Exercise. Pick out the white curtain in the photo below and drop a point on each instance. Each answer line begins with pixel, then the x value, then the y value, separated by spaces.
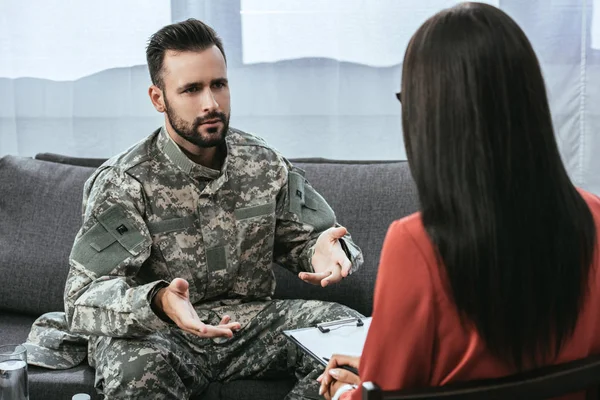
pixel 357 31
pixel 67 40
pixel 596 26
pixel 315 78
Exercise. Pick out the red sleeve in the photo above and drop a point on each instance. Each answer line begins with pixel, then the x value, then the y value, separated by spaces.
pixel 399 346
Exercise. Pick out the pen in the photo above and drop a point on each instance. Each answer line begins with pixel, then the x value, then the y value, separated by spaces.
pixel 346 367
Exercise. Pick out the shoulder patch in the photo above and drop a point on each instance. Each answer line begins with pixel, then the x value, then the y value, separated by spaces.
pixel 304 201
pixel 112 240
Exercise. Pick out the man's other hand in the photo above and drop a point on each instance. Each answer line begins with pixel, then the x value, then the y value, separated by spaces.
pixel 329 260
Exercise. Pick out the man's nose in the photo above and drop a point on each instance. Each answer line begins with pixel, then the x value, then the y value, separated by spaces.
pixel 208 101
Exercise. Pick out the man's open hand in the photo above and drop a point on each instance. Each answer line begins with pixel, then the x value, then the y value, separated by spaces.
pixel 329 260
pixel 174 302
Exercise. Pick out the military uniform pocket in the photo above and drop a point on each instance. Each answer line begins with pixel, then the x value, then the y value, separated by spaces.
pixel 255 235
pixel 181 248
pixel 255 225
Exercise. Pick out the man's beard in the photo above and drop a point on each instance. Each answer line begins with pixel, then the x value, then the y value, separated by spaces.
pixel 191 132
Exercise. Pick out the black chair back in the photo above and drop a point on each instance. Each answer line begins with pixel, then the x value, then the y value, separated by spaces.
pixel 544 383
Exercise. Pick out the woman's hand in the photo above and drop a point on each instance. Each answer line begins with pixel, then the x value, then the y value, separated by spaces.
pixel 334 377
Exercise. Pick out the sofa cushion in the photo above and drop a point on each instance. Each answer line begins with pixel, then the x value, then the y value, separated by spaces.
pixel 43 383
pixel 40 210
pixel 256 389
pixel 14 328
pixel 58 385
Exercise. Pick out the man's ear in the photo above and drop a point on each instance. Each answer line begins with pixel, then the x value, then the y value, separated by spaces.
pixel 157 98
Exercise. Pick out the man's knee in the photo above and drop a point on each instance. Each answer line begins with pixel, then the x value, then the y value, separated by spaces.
pixel 320 311
pixel 304 314
pixel 132 367
pixel 130 357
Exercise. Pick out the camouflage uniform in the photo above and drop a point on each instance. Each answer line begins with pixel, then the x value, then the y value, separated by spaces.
pixel 152 215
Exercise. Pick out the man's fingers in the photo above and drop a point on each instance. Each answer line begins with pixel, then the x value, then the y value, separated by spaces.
pixel 227 324
pixel 180 286
pixel 193 325
pixel 346 265
pixel 335 277
pixel 315 278
pixel 194 332
pixel 233 326
pixel 198 328
pixel 209 331
pixel 337 233
pixel 217 331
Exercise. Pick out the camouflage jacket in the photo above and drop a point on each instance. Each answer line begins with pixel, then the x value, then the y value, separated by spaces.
pixel 151 215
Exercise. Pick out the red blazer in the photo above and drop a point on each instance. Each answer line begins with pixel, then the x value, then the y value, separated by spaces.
pixel 416 338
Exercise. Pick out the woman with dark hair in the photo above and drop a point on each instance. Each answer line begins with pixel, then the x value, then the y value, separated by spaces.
pixel 498 273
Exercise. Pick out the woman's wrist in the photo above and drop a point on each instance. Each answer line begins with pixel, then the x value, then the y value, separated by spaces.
pixel 343 389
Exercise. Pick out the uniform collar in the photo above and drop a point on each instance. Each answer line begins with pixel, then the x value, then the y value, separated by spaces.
pixel 174 153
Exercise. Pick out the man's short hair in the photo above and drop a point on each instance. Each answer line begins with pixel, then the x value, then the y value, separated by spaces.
pixel 189 35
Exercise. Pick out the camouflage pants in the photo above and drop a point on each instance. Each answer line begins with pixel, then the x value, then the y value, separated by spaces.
pixel 176 365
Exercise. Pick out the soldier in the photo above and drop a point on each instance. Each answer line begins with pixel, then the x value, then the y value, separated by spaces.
pixel 170 274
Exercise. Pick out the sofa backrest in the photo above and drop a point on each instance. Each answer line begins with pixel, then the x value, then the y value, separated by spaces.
pixel 40 214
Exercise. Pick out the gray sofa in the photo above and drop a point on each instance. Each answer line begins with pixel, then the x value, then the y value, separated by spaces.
pixel 40 206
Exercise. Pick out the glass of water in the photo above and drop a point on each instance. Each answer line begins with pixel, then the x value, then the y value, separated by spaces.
pixel 13 372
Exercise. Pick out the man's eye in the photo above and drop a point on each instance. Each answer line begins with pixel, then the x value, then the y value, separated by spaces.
pixel 219 85
pixel 192 89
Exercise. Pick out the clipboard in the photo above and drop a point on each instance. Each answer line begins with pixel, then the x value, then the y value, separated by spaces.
pixel 345 336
